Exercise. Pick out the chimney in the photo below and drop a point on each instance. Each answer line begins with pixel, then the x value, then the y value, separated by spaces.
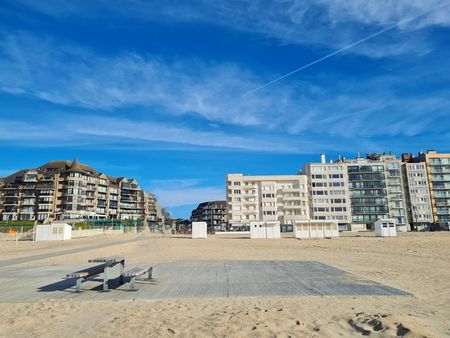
pixel 322 158
pixel 406 157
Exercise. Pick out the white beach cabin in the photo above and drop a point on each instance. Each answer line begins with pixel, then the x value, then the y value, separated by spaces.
pixel 316 229
pixel 199 230
pixel 53 232
pixel 386 227
pixel 265 229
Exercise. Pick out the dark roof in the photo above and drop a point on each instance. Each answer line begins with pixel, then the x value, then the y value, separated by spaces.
pixel 60 167
pixel 75 167
pixel 11 178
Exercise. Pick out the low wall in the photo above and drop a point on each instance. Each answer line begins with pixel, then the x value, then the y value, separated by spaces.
pixel 113 232
pixel 86 233
pixel 94 232
pixel 232 234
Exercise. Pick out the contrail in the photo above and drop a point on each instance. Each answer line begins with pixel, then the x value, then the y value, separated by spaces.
pixel 343 49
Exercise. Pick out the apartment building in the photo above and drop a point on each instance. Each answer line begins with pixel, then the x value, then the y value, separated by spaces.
pixel 69 190
pixel 214 213
pixel 417 193
pixel 266 198
pixel 153 212
pixel 358 192
pixel 438 172
pixel 329 195
pixel 132 199
pixel 376 191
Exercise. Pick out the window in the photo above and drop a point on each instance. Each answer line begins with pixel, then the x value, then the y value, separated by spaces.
pixel 336 176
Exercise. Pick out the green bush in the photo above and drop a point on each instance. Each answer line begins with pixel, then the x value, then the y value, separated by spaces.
pixel 16 223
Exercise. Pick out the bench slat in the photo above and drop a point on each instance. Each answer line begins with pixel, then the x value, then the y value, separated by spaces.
pixel 109 259
pixel 85 273
pixel 134 272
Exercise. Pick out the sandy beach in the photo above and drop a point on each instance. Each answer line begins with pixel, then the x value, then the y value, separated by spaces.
pixel 416 263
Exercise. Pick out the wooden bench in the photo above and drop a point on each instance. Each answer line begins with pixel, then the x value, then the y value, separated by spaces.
pixel 137 272
pixel 85 274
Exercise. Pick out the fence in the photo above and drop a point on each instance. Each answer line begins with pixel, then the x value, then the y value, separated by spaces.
pixel 124 225
pixel 16 232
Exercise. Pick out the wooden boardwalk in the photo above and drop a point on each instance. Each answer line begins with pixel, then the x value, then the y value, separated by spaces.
pixel 195 280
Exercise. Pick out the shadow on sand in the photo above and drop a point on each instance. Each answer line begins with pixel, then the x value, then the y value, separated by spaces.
pixel 68 285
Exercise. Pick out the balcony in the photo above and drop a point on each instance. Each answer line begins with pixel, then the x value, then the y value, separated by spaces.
pixel 46 193
pixel 292 189
pixel 249 202
pixel 367 211
pixel 293 206
pixel 291 198
pixel 249 194
pixel 368 203
pixel 365 169
pixel 366 177
pixel 28 202
pixel 45 185
pixel 440 171
pixel 441 179
pixel 11 202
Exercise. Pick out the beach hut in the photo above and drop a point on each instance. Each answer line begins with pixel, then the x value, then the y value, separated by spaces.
pixel 53 232
pixel 386 227
pixel 265 229
pixel 316 229
pixel 199 229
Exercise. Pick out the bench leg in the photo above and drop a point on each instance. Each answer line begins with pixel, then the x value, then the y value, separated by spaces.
pixel 105 278
pixel 132 283
pixel 78 285
pixel 121 268
pixel 150 272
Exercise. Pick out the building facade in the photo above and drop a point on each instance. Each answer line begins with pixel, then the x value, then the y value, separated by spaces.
pixel 417 193
pixel 376 191
pixel 329 196
pixel 356 193
pixel 438 172
pixel 153 212
pixel 214 213
pixel 69 190
pixel 266 198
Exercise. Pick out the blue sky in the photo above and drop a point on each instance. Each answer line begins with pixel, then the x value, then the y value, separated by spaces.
pixel 156 90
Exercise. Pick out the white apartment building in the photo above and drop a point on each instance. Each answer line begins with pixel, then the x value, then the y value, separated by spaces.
pixel 329 196
pixel 266 198
pixel 418 200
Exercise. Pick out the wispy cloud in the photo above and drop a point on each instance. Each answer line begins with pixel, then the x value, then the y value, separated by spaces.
pixel 330 23
pixel 182 192
pixel 79 130
pixel 73 76
pixel 307 116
